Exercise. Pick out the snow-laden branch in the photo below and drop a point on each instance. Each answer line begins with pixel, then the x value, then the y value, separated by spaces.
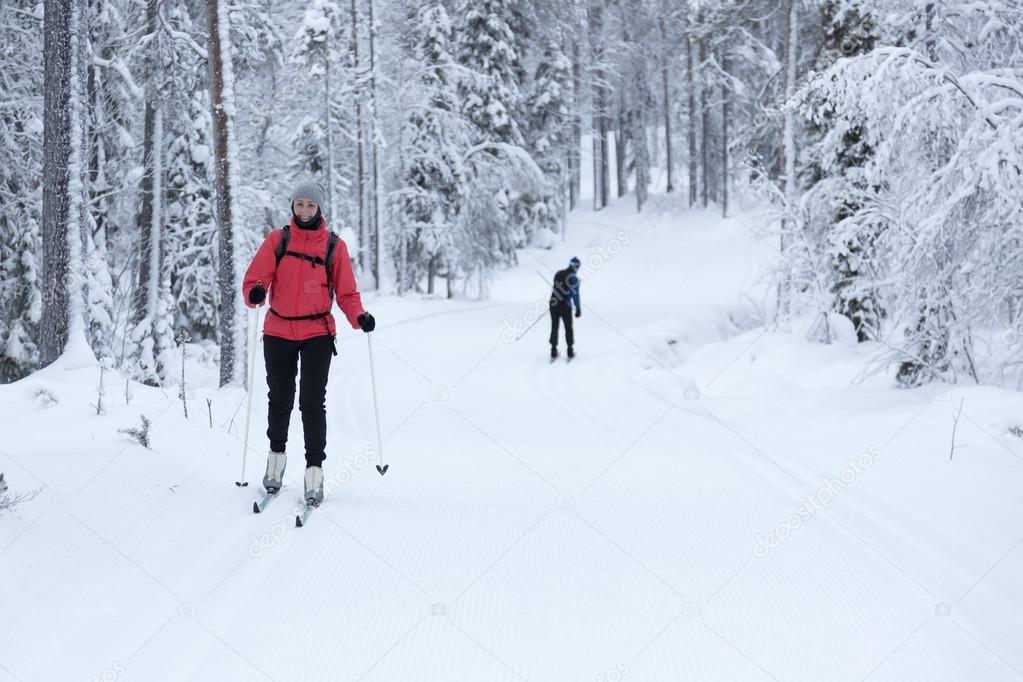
pixel 893 54
pixel 516 153
pixel 189 41
pixel 117 65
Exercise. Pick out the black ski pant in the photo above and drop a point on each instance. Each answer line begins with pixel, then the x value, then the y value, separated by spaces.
pixel 282 356
pixel 564 314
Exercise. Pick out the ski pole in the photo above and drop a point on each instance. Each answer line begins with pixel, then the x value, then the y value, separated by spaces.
pixel 382 468
pixel 528 329
pixel 241 483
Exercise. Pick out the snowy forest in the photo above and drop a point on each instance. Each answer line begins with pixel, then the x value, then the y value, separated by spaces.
pixel 149 146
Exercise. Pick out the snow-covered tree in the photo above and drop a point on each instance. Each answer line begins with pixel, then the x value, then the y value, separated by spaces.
pixel 549 133
pixel 62 324
pixel 486 45
pixel 21 129
pixel 836 176
pixel 230 312
pixel 491 98
pixel 191 229
pixel 317 50
pixel 435 139
pixel 944 178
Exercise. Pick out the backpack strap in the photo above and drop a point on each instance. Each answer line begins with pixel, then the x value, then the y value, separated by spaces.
pixel 331 247
pixel 282 244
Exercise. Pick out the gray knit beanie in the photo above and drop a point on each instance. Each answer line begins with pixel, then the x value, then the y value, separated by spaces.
pixel 309 190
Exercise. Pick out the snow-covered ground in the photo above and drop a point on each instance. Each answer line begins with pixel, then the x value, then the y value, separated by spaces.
pixel 692 498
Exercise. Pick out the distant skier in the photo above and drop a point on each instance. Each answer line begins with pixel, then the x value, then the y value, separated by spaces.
pixel 303 265
pixel 564 294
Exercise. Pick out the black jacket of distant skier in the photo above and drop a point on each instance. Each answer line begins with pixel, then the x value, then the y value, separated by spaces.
pixel 566 289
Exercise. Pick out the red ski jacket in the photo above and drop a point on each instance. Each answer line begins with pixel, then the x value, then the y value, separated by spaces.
pixel 298 287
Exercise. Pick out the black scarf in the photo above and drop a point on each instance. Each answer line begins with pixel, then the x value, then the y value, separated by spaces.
pixel 311 224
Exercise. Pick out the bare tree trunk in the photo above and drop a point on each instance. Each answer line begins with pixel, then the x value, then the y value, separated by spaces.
pixel 621 142
pixel 574 162
pixel 57 56
pixel 691 123
pixel 598 200
pixel 641 154
pixel 144 220
pixel 64 198
pixel 375 194
pixel 328 122
pixel 360 172
pixel 141 304
pixel 95 139
pixel 789 145
pixel 705 137
pixel 402 231
pixel 726 101
pixel 669 160
pixel 232 343
pixel 605 148
pixel 601 170
pixel 624 123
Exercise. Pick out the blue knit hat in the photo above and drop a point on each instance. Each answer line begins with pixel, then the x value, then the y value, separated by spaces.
pixel 309 190
pixel 575 262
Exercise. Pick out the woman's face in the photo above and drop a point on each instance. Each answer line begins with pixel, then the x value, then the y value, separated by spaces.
pixel 305 208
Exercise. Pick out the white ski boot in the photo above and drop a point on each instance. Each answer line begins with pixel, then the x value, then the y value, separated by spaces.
pixel 273 480
pixel 313 486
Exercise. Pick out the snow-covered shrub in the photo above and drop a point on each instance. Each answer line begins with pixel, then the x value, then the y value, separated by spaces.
pixel 9 500
pixel 139 433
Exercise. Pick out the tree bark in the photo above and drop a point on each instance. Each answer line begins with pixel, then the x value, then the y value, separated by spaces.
pixel 705 137
pixel 328 119
pixel 360 171
pixel 142 306
pixel 621 145
pixel 232 344
pixel 601 170
pixel 95 139
pixel 788 145
pixel 57 56
pixel 726 102
pixel 669 158
pixel 375 194
pixel 691 123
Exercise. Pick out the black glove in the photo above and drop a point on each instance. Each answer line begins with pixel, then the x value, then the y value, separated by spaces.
pixel 257 295
pixel 578 312
pixel 367 322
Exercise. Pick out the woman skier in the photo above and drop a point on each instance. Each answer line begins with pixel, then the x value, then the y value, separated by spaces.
pixel 301 266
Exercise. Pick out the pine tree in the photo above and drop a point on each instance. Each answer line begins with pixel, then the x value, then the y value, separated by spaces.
pixel 491 100
pixel 317 51
pixel 840 181
pixel 191 228
pixel 487 45
pixel 548 128
pixel 435 139
pixel 20 175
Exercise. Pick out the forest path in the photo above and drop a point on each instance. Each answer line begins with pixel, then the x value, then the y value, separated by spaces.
pixel 676 503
